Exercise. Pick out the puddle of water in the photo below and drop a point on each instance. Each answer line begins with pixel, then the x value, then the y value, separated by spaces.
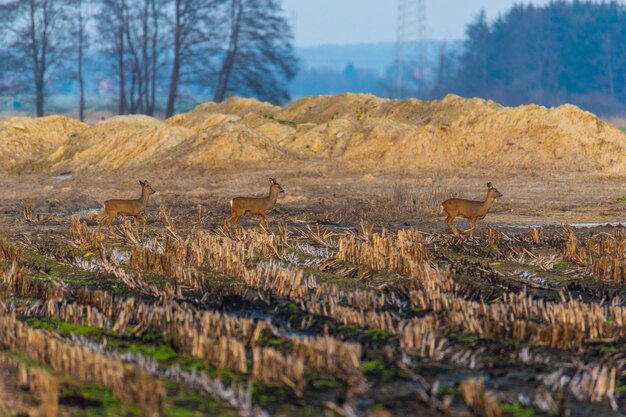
pixel 599 224
pixel 301 333
pixel 530 276
pixel 260 315
pixel 349 228
pixel 537 225
pixel 87 211
pixel 62 176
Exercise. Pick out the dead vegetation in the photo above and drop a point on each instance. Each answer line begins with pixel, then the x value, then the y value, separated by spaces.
pixel 603 255
pixel 290 307
pixel 322 310
pixel 41 383
pixel 131 384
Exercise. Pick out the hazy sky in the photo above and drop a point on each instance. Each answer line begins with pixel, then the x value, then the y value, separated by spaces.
pixel 365 21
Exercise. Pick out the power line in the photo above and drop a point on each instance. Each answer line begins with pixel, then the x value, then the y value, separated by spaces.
pixel 411 52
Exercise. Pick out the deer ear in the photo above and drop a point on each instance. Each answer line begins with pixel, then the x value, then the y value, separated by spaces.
pixel 272 180
pixel 489 185
pixel 141 183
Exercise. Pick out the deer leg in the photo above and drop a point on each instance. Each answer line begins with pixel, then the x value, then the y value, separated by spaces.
pixel 234 217
pixel 264 219
pixel 110 220
pixel 144 219
pixel 471 228
pixel 448 221
pixel 136 224
pixel 102 220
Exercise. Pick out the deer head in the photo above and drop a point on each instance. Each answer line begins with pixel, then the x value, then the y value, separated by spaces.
pixel 276 186
pixel 492 192
pixel 145 187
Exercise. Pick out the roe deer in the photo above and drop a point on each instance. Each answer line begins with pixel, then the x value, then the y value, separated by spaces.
pixel 254 205
pixel 470 209
pixel 135 208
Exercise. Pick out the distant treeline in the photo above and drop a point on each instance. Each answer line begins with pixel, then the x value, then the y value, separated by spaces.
pixel 143 54
pixel 561 52
pixel 161 56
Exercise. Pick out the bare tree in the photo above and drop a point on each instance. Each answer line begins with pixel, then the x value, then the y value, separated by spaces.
pixel 142 37
pixel 36 34
pixel 112 26
pixel 236 14
pixel 258 59
pixel 81 39
pixel 130 32
pixel 194 28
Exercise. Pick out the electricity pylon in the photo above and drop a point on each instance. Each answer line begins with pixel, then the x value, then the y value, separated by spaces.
pixel 411 48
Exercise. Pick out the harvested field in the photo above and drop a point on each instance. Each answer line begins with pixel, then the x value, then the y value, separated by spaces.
pixel 356 301
pixel 339 308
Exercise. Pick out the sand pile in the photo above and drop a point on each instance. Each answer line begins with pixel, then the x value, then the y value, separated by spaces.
pixel 454 132
pixel 26 141
pixel 358 131
pixel 118 142
pixel 241 107
pixel 229 111
pixel 325 140
pixel 223 144
pixel 325 108
pixel 197 121
pixel 251 113
pixel 452 110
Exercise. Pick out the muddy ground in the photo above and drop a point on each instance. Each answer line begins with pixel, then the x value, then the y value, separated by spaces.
pixel 320 193
pixel 522 376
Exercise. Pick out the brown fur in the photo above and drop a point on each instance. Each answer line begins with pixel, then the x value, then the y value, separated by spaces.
pixel 262 206
pixel 470 209
pixel 134 208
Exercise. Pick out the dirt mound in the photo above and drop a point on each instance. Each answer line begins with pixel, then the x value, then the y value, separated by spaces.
pixel 246 111
pixel 358 131
pixel 223 144
pixel 118 142
pixel 326 140
pixel 563 137
pixel 324 108
pixel 451 110
pixel 526 137
pixel 238 106
pixel 197 120
pixel 383 134
pixel 26 141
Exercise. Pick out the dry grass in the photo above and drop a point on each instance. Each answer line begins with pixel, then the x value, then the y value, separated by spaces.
pixel 403 252
pixel 403 298
pixel 421 337
pixel 29 213
pixel 272 367
pixel 35 380
pixel 480 402
pixel 604 255
pixel 129 383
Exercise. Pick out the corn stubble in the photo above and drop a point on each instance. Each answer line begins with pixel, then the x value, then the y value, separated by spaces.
pixel 288 266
